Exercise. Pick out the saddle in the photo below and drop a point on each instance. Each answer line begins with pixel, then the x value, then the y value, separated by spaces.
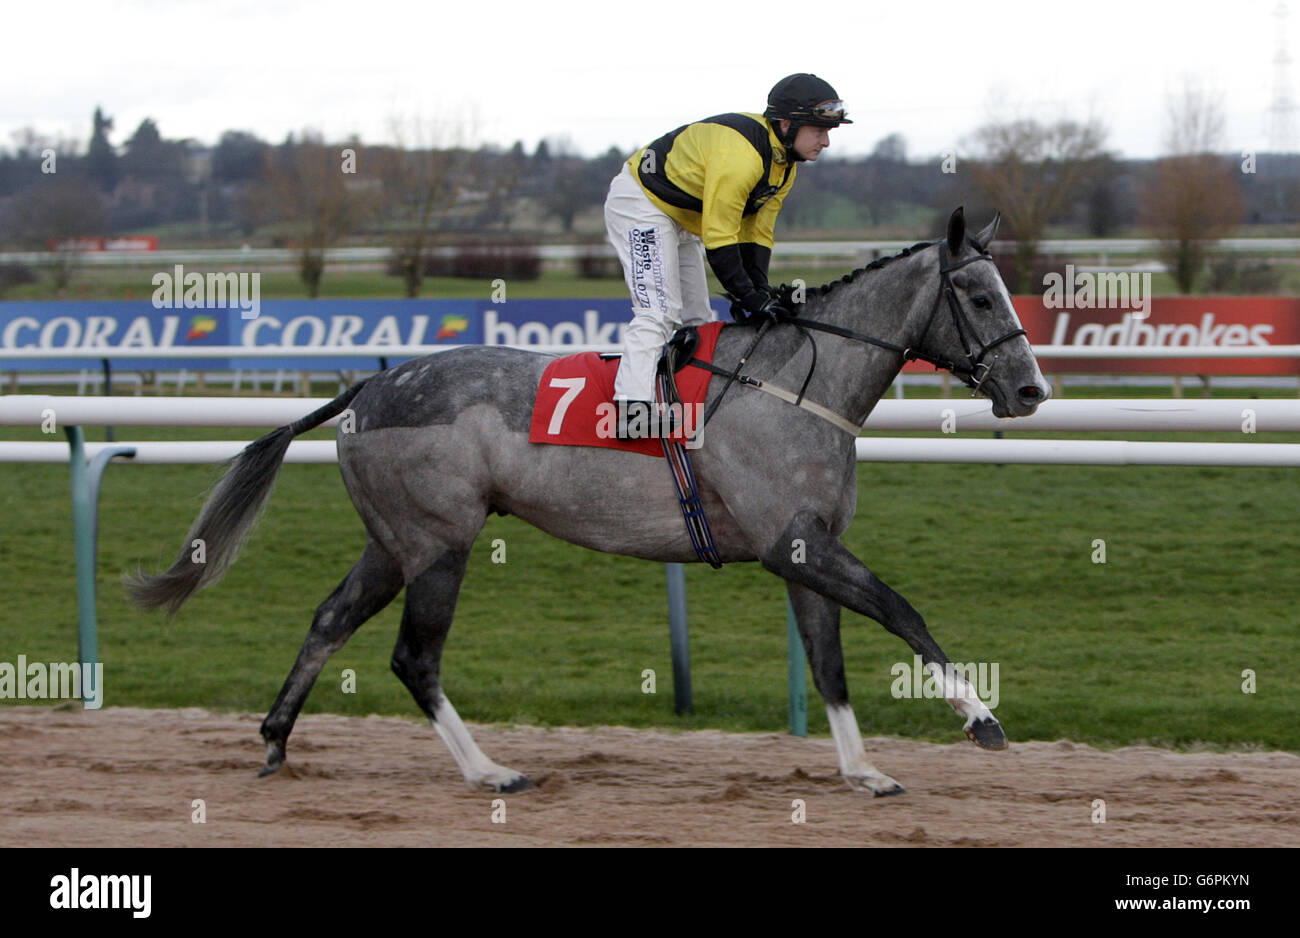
pixel 576 392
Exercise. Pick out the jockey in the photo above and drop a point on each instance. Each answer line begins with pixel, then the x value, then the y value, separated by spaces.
pixel 707 190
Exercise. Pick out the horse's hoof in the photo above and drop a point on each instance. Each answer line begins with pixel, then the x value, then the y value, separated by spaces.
pixel 516 784
pixel 987 734
pixel 500 779
pixel 274 759
pixel 877 785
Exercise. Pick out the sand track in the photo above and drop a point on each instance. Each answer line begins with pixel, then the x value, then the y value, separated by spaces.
pixel 128 777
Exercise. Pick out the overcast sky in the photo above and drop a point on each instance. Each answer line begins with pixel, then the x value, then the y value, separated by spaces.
pixel 622 72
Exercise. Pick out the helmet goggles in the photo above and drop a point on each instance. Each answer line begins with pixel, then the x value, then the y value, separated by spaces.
pixel 830 113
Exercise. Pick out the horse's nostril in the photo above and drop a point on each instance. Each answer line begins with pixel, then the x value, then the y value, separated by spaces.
pixel 1030 393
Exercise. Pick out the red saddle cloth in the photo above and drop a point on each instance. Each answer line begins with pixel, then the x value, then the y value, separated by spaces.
pixel 575 400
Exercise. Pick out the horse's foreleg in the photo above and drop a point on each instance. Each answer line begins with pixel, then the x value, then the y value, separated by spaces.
pixel 430 604
pixel 369 587
pixel 819 627
pixel 829 568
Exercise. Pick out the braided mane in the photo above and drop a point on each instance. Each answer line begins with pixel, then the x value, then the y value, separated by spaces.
pixel 787 290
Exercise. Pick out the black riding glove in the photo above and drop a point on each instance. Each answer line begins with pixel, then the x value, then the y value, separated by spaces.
pixel 745 283
pixel 762 303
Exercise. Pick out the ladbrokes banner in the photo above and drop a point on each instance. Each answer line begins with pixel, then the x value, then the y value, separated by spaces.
pixel 1222 321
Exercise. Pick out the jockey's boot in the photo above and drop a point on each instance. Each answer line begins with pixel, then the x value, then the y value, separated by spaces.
pixel 639 420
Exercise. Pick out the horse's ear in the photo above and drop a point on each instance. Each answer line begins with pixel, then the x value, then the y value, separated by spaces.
pixel 956 231
pixel 985 237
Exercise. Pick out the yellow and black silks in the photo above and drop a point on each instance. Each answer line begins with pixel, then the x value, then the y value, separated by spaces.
pixel 723 179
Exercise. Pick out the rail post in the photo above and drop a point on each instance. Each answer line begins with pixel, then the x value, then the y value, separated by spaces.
pixel 85 529
pixel 796 660
pixel 677 639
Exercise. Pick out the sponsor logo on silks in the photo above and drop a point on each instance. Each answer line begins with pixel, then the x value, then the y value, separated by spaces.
pixel 452 326
pixel 200 328
pixel 646 263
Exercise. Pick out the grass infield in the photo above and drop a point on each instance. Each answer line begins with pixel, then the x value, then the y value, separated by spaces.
pixel 1197 587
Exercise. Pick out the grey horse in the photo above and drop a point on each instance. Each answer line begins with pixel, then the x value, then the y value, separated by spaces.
pixel 439 442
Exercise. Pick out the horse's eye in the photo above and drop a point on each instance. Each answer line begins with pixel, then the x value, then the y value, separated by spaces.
pixel 982 302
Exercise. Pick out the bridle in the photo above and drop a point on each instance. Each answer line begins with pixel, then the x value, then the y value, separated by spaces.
pixel 974 371
pixel 970 372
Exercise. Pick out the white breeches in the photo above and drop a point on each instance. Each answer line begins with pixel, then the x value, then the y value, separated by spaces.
pixel 664 267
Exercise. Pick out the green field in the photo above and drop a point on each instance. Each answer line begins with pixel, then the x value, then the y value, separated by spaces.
pixel 1199 585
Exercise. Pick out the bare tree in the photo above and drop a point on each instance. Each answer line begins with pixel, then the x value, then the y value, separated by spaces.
pixel 570 184
pixel 424 174
pixel 509 175
pixel 1193 195
pixel 101 160
pixel 320 190
pixel 53 213
pixel 1102 200
pixel 888 160
pixel 1031 172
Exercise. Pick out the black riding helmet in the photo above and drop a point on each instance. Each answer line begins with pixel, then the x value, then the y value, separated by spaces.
pixel 803 99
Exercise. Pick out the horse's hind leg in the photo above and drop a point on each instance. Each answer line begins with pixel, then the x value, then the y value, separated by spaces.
pixel 430 605
pixel 819 627
pixel 370 586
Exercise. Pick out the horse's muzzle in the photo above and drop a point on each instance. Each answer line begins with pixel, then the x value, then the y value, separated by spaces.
pixel 1031 395
pixel 1022 403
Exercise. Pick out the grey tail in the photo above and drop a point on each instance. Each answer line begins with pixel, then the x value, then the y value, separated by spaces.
pixel 228 516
